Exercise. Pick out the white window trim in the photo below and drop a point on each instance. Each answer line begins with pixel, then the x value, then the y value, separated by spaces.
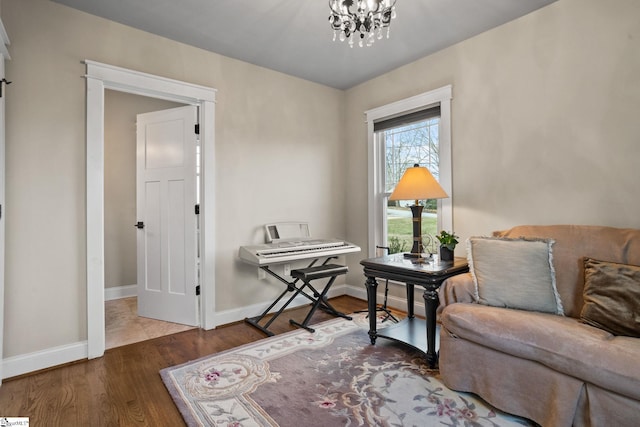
pixel 442 97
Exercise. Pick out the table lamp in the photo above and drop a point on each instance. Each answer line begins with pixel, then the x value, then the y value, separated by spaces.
pixel 417 183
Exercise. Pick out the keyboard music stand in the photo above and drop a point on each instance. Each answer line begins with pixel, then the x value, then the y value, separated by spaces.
pixel 318 299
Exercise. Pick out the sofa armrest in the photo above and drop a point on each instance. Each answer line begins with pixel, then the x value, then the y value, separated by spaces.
pixel 459 288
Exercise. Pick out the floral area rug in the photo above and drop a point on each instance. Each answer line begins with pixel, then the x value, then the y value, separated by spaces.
pixel 333 377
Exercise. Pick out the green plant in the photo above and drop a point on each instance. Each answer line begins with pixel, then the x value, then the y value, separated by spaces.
pixel 448 240
pixel 396 245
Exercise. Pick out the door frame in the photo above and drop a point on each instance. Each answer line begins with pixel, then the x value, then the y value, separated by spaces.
pixel 100 77
pixel 4 54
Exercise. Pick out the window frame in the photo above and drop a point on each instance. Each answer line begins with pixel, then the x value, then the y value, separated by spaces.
pixel 376 158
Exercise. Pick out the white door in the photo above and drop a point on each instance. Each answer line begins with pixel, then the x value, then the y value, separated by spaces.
pixel 166 199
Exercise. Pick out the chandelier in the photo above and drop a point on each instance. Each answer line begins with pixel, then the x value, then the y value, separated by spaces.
pixel 365 19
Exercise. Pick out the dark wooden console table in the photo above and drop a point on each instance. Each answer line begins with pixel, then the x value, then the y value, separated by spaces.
pixel 427 274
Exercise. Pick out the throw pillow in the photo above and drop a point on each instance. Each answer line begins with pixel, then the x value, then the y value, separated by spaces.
pixel 514 273
pixel 612 297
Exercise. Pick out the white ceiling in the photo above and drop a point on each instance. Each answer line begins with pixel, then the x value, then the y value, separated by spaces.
pixel 293 36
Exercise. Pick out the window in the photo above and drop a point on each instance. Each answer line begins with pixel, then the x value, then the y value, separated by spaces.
pixel 407 140
pixel 415 130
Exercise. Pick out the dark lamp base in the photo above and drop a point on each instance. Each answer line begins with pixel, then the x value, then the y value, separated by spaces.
pixel 417 257
pixel 412 255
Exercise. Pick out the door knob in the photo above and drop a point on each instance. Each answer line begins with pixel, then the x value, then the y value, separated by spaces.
pixel 139 225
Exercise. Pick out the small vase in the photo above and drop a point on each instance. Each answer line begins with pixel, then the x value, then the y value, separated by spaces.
pixel 446 254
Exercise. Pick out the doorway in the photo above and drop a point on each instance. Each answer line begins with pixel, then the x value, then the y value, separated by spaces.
pixel 122 322
pixel 101 77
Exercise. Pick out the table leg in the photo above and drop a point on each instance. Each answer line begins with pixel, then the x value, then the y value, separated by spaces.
pixel 410 301
pixel 431 305
pixel 372 286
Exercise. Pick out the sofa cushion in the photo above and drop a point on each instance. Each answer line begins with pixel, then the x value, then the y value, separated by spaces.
pixel 561 343
pixel 573 244
pixel 612 297
pixel 514 273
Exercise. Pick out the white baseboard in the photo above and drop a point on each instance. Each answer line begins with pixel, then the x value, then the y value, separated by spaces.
pixel 238 314
pixel 31 362
pixel 43 359
pixel 120 292
pixel 399 303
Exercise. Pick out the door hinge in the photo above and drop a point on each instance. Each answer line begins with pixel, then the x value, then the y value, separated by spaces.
pixel 197 290
pixel 197 209
pixel 197 129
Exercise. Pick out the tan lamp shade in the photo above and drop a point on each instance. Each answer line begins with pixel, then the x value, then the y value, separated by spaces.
pixel 417 183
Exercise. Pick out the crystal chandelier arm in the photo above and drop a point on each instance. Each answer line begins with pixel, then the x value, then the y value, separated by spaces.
pixel 346 3
pixel 378 4
pixel 381 6
pixel 345 10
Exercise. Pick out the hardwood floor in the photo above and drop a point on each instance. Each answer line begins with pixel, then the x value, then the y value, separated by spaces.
pixel 123 388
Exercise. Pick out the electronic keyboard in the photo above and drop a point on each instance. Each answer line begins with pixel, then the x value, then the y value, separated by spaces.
pixel 285 251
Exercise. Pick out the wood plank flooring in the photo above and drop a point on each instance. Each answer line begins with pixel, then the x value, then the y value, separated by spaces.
pixel 124 388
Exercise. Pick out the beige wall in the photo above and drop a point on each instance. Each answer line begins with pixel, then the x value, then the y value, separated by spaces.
pixel 120 111
pixel 544 131
pixel 279 156
pixel 544 120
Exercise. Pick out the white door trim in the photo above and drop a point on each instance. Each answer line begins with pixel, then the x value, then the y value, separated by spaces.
pixel 4 54
pixel 100 77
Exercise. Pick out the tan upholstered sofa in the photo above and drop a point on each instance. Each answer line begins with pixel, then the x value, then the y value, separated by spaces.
pixel 554 369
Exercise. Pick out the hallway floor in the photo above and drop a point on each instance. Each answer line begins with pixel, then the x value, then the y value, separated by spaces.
pixel 124 326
